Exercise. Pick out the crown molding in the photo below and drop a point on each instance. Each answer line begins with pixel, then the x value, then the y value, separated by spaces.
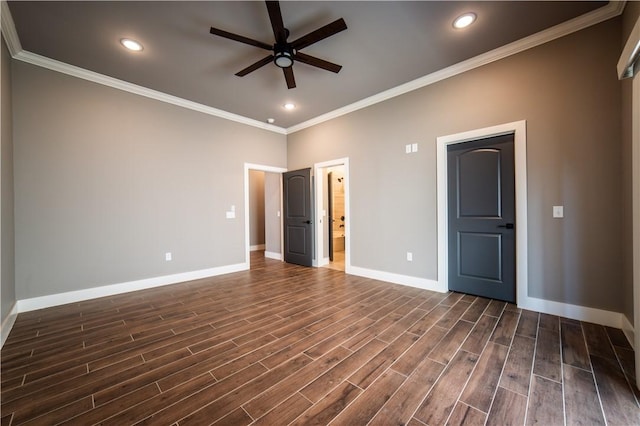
pixel 115 83
pixel 628 62
pixel 611 10
pixel 9 29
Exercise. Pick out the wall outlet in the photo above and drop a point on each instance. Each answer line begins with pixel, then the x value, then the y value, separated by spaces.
pixel 558 211
pixel 231 215
pixel 409 256
pixel 167 257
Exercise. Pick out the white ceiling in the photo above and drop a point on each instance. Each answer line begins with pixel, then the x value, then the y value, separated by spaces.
pixel 387 44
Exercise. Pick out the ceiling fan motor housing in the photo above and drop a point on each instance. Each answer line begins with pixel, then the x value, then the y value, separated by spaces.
pixel 283 55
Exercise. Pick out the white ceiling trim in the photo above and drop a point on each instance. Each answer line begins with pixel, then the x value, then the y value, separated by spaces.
pixel 115 83
pixel 613 9
pixel 17 52
pixel 628 62
pixel 9 29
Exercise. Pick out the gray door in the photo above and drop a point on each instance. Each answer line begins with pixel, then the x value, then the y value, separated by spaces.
pixel 298 229
pixel 481 206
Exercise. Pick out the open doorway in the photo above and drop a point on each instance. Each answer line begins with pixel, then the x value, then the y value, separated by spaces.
pixel 332 211
pixel 263 221
pixel 257 210
pixel 335 217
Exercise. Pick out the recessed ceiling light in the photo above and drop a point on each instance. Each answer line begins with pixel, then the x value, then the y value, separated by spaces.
pixel 465 20
pixel 131 44
pixel 271 120
pixel 289 106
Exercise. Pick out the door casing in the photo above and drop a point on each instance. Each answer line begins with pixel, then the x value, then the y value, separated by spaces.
pixel 319 174
pixel 628 66
pixel 247 220
pixel 519 130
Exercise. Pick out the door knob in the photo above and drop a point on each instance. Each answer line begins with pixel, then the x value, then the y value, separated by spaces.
pixel 506 225
pixel 307 221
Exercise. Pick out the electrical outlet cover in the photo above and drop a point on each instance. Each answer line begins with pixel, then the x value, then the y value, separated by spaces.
pixel 558 211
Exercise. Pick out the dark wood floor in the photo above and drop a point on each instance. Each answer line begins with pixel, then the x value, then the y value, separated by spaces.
pixel 282 344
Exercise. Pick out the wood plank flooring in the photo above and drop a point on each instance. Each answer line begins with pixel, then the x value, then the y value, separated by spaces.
pixel 283 344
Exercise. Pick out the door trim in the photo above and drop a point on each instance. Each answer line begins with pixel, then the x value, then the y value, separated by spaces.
pixel 628 65
pixel 319 176
pixel 247 221
pixel 519 130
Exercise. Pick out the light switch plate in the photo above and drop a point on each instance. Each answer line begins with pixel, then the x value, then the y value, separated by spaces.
pixel 414 147
pixel 407 149
pixel 409 256
pixel 167 257
pixel 231 215
pixel 558 211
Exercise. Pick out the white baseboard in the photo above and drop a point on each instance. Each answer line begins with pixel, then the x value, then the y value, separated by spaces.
pixel 576 312
pixel 257 247
pixel 48 301
pixel 324 261
pixel 272 255
pixel 627 329
pixel 7 324
pixel 407 280
pixel 581 313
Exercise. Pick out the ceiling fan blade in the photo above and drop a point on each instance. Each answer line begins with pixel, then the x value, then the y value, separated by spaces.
pixel 317 62
pixel 275 16
pixel 319 34
pixel 251 68
pixel 241 39
pixel 288 75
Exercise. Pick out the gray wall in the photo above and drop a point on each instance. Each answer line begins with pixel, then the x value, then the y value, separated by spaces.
pixel 256 209
pixel 8 290
pixel 631 13
pixel 568 92
pixel 107 182
pixel 272 195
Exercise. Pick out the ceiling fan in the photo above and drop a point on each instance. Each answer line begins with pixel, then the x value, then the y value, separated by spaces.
pixel 284 52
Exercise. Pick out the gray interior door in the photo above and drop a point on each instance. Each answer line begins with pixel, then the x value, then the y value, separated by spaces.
pixel 481 214
pixel 298 229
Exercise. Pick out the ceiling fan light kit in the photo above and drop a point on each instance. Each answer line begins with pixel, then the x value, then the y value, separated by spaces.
pixel 283 59
pixel 286 53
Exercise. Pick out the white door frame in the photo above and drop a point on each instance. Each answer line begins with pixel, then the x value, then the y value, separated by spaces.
pixel 635 171
pixel 519 130
pixel 318 173
pixel 628 66
pixel 247 221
